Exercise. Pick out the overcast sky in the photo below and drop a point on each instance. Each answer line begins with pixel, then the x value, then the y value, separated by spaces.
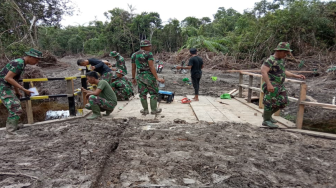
pixel 179 9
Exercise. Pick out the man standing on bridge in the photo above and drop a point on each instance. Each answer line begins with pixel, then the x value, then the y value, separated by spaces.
pixel 196 66
pixel 9 77
pixel 98 66
pixel 120 64
pixel 143 64
pixel 102 99
pixel 274 73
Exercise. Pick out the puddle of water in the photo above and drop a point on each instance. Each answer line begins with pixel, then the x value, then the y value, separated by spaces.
pixel 50 115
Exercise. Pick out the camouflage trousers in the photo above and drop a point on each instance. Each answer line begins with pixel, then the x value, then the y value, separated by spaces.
pixel 144 89
pixel 123 94
pixel 11 102
pixel 276 100
pixel 101 102
pixel 107 76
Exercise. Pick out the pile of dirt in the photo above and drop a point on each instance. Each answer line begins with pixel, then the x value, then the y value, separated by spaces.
pixel 49 60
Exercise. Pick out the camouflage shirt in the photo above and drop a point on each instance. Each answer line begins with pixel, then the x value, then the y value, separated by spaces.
pixel 141 58
pixel 277 70
pixel 122 84
pixel 121 64
pixel 17 66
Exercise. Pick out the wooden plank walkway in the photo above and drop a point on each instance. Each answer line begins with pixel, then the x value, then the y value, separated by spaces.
pixel 208 109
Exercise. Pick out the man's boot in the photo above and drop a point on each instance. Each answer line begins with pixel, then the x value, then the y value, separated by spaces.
pixel 153 104
pixel 272 119
pixel 108 112
pixel 11 126
pixel 144 104
pixel 95 112
pixel 267 119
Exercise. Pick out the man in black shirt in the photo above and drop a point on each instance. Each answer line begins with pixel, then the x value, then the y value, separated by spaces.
pixel 98 66
pixel 196 66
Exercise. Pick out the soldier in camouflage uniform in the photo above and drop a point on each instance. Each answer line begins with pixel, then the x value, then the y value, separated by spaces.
pixel 122 87
pixel 274 73
pixel 143 65
pixel 9 77
pixel 120 64
pixel 102 99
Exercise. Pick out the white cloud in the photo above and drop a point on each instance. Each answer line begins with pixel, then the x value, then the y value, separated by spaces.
pixel 179 9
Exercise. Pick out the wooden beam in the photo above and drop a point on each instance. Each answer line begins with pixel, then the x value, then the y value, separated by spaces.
pixel 248 87
pixel 71 100
pixel 287 80
pixel 293 99
pixel 249 95
pixel 318 104
pixel 300 111
pixel 29 111
pixel 261 95
pixel 241 78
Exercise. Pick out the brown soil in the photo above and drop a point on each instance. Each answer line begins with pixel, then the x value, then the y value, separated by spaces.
pixel 82 153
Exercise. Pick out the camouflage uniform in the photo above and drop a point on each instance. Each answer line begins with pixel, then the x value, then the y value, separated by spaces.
pixel 7 96
pixel 122 89
pixel 120 64
pixel 108 77
pixel 146 80
pixel 101 102
pixel 279 98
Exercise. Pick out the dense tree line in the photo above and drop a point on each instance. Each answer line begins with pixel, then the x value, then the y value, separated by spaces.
pixel 309 25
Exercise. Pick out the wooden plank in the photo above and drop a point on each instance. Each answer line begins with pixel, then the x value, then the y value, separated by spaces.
pixel 248 87
pixel 313 133
pixel 202 109
pixel 261 95
pixel 281 120
pixel 287 80
pixel 241 79
pixel 293 99
pixel 132 109
pixel 249 95
pixel 176 110
pixel 232 91
pixel 317 104
pixel 300 111
pixel 29 110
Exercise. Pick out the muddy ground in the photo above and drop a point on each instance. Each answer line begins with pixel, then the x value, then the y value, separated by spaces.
pixel 122 153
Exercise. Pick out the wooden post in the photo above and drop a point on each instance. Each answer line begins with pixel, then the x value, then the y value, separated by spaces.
pixel 84 85
pixel 241 78
pixel 277 113
pixel 261 96
pixel 300 112
pixel 29 107
pixel 71 100
pixel 29 111
pixel 249 95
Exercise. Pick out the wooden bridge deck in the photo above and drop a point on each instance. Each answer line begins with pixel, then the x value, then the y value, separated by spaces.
pixel 207 109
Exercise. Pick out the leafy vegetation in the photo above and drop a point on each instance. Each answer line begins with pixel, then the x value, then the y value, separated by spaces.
pixel 309 25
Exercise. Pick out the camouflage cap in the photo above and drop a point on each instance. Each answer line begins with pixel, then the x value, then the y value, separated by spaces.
pixel 114 54
pixel 144 43
pixel 120 72
pixel 34 53
pixel 283 46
